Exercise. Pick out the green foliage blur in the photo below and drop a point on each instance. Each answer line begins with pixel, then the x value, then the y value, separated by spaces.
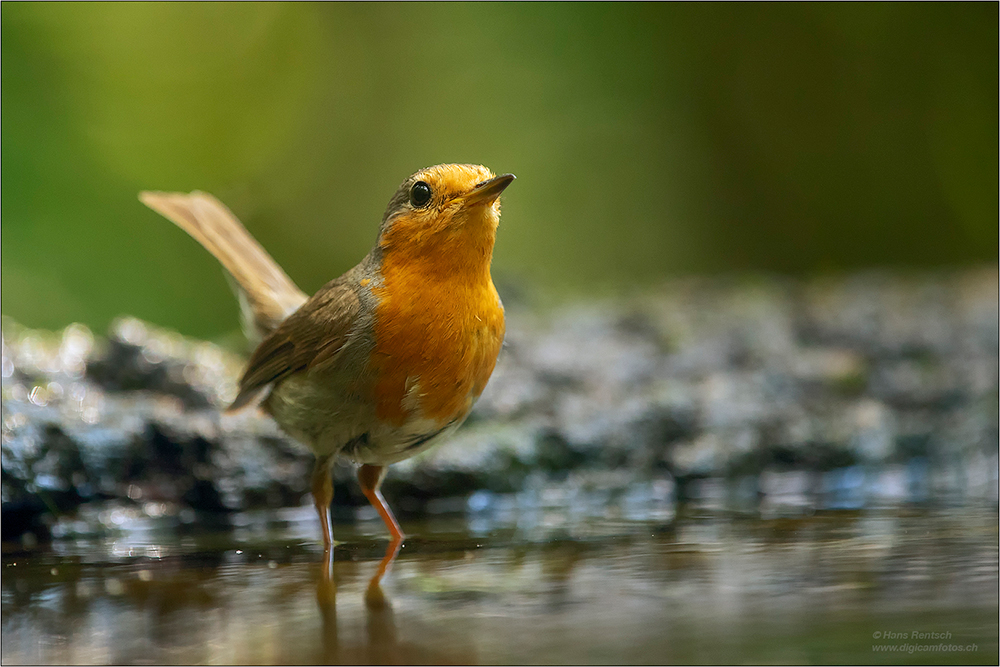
pixel 649 140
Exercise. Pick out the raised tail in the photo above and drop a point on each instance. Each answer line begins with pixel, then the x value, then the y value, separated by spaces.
pixel 267 295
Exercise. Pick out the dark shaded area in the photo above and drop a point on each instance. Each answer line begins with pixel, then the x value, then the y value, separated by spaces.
pixel 124 367
pixel 768 394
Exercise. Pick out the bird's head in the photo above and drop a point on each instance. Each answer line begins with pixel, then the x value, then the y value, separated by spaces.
pixel 445 208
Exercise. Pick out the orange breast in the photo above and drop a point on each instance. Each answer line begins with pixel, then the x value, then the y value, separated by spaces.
pixel 436 329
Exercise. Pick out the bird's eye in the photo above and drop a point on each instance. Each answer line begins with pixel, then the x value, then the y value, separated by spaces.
pixel 420 194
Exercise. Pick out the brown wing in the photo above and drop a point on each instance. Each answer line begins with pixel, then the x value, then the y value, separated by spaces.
pixel 310 337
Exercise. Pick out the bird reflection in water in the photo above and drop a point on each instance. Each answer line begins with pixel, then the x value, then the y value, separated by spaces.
pixel 381 625
pixel 382 646
pixel 326 590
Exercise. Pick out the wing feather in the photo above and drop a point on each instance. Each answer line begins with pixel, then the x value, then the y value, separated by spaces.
pixel 311 337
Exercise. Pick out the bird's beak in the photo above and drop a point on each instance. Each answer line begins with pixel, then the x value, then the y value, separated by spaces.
pixel 487 191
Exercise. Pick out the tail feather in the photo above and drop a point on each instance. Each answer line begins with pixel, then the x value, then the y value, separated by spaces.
pixel 267 295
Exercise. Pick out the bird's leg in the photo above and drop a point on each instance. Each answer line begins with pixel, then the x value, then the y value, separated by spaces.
pixel 326 589
pixel 322 490
pixel 370 478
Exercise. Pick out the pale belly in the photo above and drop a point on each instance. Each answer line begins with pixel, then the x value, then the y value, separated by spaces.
pixel 333 418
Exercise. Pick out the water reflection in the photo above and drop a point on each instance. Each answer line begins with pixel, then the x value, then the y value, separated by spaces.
pixel 382 646
pixel 707 588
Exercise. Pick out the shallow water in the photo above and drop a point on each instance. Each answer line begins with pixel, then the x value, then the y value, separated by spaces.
pixel 705 587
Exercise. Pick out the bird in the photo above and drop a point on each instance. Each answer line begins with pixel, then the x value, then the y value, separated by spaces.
pixel 388 359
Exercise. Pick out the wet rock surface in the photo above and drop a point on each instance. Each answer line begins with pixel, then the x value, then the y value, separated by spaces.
pixel 776 395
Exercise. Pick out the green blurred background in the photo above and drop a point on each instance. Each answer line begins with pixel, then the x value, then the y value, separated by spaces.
pixel 649 140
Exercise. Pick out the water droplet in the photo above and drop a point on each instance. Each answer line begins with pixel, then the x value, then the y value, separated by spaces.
pixel 39 397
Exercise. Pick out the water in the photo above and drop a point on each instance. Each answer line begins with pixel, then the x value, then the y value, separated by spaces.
pixel 705 587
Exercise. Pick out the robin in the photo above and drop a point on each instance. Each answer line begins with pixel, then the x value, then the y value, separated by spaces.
pixel 386 360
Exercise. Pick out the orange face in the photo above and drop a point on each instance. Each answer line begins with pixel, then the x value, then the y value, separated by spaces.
pixel 448 209
pixel 439 323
